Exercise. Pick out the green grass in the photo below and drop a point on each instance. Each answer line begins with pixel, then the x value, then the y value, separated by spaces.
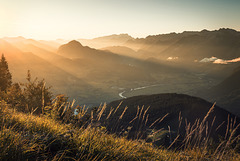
pixel 29 137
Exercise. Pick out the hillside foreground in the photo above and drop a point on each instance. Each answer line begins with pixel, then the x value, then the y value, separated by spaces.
pixel 25 136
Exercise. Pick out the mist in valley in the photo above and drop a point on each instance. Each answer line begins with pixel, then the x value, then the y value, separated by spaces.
pixel 104 69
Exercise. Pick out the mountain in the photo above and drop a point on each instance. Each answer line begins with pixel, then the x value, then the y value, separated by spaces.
pixel 163 63
pixel 191 46
pixel 74 49
pixel 61 81
pixel 114 73
pixel 188 50
pixel 105 41
pixel 227 93
pixel 231 83
pixel 175 105
pixel 21 42
pixel 99 65
pixel 122 50
pixel 106 73
pixel 110 70
pixel 104 70
pixel 115 37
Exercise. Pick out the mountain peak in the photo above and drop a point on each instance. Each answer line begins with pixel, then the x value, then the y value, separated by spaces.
pixel 227 31
pixel 74 43
pixel 73 48
pixel 115 37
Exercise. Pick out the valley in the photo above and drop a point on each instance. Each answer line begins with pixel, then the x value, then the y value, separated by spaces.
pixel 109 80
pixel 126 67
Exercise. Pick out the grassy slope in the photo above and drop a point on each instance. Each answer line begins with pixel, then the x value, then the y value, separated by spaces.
pixel 29 137
pixel 25 136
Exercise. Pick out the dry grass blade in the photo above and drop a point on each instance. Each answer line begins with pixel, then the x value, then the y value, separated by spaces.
pixel 207 115
pixel 146 120
pixel 227 127
pixel 161 119
pixel 101 111
pixel 33 110
pixel 145 113
pixel 73 103
pixel 125 109
pixel 141 112
pixel 43 93
pixel 154 122
pixel 173 142
pixel 118 107
pixel 110 112
pixel 219 125
pixel 65 109
pixel 135 116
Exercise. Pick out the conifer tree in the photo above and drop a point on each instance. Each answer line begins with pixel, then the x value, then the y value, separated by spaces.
pixel 5 75
pixel 36 94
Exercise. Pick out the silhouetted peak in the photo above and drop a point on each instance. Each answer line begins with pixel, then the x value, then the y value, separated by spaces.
pixel 125 36
pixel 115 37
pixel 74 43
pixel 71 47
pixel 227 30
pixel 205 31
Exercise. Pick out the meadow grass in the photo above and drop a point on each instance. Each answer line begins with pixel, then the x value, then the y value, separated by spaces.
pixel 25 136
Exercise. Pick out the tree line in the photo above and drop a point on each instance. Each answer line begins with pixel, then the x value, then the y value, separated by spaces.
pixel 30 96
pixel 36 98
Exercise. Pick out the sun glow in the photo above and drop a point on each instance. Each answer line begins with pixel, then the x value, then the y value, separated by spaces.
pixel 88 19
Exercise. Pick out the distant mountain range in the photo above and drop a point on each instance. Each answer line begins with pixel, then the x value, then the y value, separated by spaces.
pixel 79 71
pixel 191 46
pixel 184 49
pixel 61 81
pixel 105 41
pixel 110 69
pixel 101 69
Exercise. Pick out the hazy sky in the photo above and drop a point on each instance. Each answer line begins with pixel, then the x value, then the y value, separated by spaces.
pixel 71 19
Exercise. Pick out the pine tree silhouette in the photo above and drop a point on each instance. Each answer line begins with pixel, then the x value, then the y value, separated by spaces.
pixel 5 75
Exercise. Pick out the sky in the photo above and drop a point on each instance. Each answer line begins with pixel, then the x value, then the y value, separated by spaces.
pixel 73 19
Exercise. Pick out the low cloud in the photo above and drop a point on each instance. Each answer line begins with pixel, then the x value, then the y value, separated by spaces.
pixel 215 60
pixel 172 58
pixel 206 60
